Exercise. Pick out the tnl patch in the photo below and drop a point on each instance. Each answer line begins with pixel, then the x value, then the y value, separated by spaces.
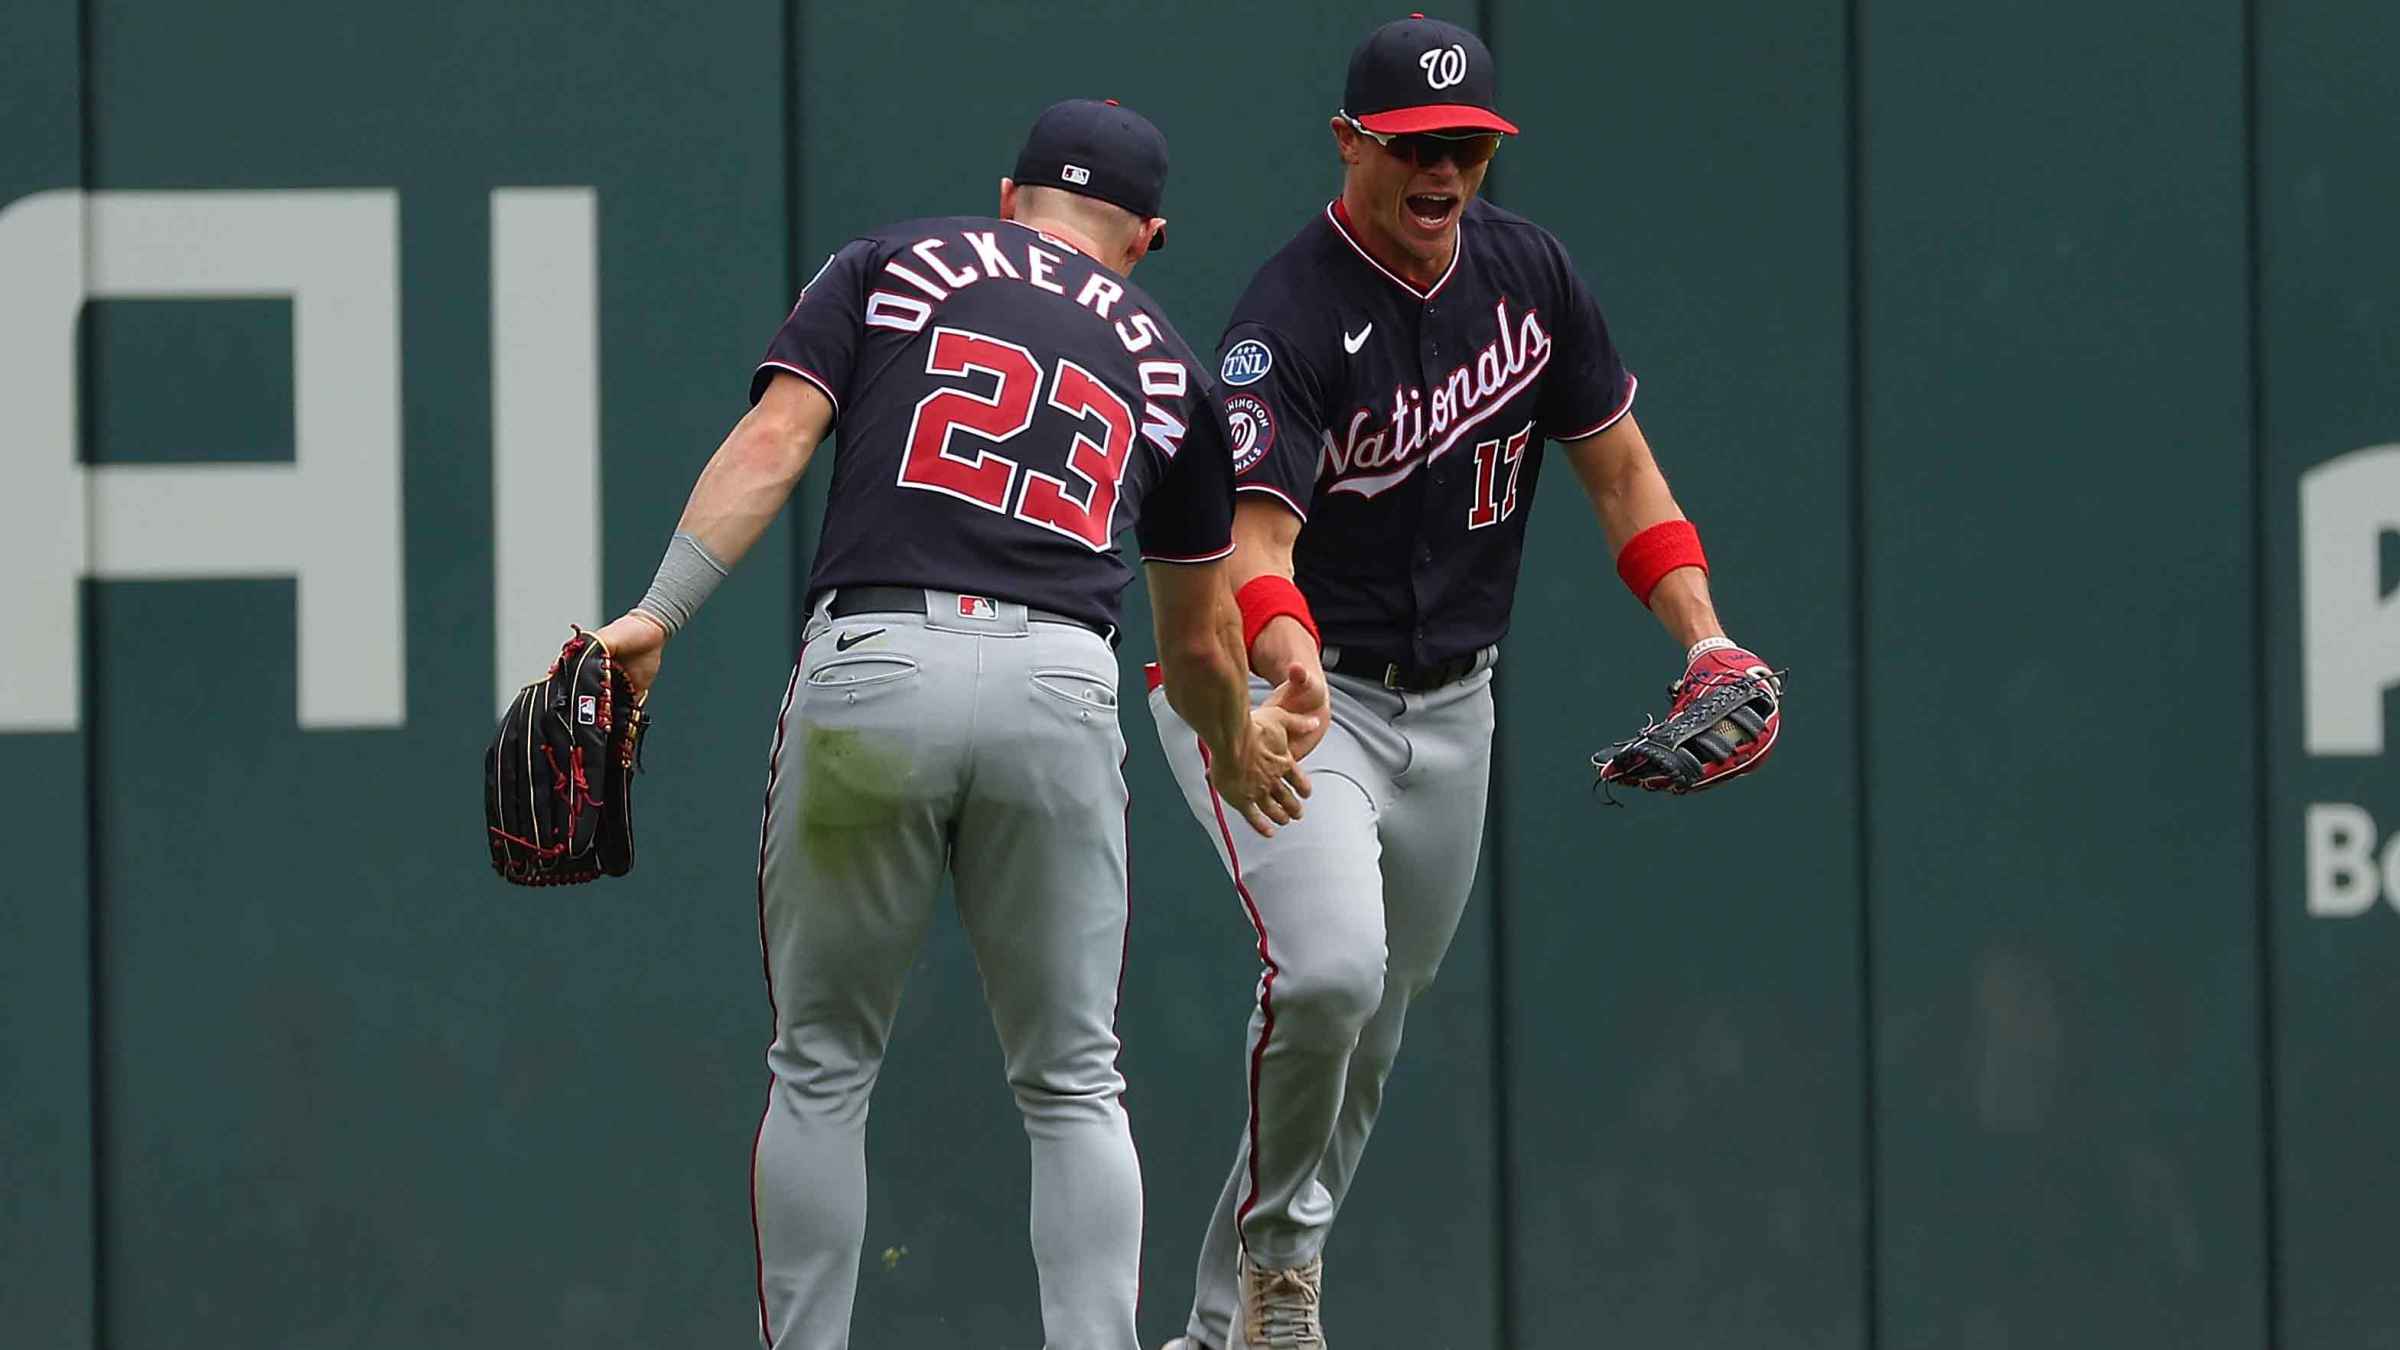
pixel 1246 362
pixel 977 607
pixel 587 709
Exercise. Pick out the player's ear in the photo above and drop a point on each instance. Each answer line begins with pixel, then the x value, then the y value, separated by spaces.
pixel 1008 198
pixel 1344 139
pixel 1137 247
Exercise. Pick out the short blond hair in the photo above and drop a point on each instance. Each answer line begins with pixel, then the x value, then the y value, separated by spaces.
pixel 1111 227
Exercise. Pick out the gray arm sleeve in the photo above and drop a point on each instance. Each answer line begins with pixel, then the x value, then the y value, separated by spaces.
pixel 686 576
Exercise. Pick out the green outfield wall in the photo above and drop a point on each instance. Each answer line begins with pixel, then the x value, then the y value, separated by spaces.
pixel 2033 371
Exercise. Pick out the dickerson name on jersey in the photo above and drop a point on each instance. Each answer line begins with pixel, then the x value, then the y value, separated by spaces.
pixel 1423 429
pixel 888 309
pixel 1136 332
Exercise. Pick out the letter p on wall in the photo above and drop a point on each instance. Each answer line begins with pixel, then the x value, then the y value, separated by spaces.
pixel 330 518
pixel 2349 628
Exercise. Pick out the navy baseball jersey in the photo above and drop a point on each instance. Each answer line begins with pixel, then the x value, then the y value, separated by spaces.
pixel 1406 426
pixel 1004 407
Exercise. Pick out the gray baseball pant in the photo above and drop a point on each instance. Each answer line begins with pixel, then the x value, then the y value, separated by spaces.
pixel 1355 905
pixel 907 743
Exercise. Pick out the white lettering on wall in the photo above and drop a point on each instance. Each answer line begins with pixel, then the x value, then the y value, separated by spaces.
pixel 329 519
pixel 2349 629
pixel 545 425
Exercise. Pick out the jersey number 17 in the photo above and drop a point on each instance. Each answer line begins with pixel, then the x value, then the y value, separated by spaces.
pixel 1491 506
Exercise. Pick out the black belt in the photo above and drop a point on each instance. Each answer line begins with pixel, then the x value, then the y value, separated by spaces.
pixel 849 601
pixel 1400 675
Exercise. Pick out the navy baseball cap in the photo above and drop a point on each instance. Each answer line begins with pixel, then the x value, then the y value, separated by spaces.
pixel 1420 74
pixel 1101 149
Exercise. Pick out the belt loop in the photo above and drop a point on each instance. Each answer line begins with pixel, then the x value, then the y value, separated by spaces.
pixel 1391 677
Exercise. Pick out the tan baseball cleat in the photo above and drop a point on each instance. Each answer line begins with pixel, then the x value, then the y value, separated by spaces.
pixel 1279 1308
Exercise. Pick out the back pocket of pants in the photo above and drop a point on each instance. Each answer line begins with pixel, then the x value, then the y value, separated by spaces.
pixel 865 673
pixel 1077 688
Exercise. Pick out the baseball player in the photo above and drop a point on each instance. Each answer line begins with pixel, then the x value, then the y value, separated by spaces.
pixel 1008 404
pixel 1390 378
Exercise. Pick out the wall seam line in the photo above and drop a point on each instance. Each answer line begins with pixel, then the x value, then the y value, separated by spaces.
pixel 796 564
pixel 1870 1150
pixel 1503 1076
pixel 88 703
pixel 2263 941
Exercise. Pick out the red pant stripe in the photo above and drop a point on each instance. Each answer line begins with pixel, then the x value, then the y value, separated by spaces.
pixel 1266 995
pixel 758 1246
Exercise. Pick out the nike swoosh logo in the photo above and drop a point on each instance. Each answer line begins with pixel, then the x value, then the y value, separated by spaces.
pixel 1351 344
pixel 848 640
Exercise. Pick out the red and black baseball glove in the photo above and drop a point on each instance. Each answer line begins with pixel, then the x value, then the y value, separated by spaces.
pixel 558 778
pixel 1725 715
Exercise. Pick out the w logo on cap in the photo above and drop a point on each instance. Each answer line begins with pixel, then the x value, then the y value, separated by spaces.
pixel 1444 66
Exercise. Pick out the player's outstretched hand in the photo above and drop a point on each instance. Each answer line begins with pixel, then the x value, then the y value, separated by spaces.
pixel 1303 692
pixel 635 641
pixel 1263 779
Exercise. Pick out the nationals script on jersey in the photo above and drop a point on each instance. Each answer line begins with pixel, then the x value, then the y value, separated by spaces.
pixel 1004 406
pixel 1406 426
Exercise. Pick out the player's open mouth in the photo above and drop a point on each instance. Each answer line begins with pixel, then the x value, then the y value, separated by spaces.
pixel 1430 211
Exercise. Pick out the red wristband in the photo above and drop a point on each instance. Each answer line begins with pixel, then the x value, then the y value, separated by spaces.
pixel 1266 597
pixel 1650 555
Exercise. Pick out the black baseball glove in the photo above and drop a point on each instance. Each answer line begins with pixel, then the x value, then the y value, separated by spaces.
pixel 1726 713
pixel 558 779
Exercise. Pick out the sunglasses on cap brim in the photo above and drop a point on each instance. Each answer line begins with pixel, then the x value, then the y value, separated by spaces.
pixel 1427 149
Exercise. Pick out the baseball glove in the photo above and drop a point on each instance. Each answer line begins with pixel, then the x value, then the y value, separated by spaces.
pixel 558 779
pixel 1722 722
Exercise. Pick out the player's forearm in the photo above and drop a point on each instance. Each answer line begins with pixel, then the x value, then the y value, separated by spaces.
pixel 1284 641
pixel 1629 498
pixel 1622 479
pixel 1282 644
pixel 745 486
pixel 1264 535
pixel 1205 682
pixel 740 492
pixel 1682 605
pixel 1629 495
pixel 1681 600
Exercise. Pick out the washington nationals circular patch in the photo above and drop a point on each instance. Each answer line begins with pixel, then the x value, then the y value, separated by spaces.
pixel 1253 429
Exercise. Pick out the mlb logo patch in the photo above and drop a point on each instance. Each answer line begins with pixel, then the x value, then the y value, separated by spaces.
pixel 1076 174
pixel 977 607
pixel 587 709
